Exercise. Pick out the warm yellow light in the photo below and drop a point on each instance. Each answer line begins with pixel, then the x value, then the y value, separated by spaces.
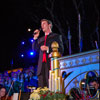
pixel 29 29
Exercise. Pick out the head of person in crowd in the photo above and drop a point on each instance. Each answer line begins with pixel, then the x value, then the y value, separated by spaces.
pixel 19 72
pixel 2 81
pixel 14 76
pixel 6 74
pixel 94 86
pixel 8 81
pixel 31 74
pixel 2 92
pixel 31 68
pixel 21 77
pixel 95 83
pixel 26 72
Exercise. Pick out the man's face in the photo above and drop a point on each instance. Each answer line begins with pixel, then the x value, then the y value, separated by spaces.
pixel 95 84
pixel 45 26
pixel 2 92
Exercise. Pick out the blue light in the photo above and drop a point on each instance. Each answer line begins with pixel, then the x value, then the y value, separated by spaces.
pixel 23 43
pixel 31 53
pixel 31 40
pixel 22 55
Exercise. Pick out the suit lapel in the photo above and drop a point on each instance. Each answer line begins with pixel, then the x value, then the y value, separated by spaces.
pixel 50 36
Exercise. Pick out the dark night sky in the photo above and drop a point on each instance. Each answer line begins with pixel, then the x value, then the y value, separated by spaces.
pixel 19 15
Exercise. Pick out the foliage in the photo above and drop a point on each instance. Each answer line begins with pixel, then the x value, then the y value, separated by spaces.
pixel 45 94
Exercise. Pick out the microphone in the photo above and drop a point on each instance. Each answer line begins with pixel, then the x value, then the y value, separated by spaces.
pixel 37 31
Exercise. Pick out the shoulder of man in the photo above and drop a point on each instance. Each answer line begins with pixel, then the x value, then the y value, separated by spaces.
pixel 53 35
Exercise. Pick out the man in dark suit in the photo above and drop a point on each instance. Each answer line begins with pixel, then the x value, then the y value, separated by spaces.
pixel 43 47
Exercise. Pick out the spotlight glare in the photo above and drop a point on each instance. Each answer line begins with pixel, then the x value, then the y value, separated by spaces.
pixel 31 53
pixel 31 40
pixel 29 29
pixel 22 55
pixel 23 43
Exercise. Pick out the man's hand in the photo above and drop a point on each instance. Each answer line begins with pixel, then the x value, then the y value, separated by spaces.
pixel 44 48
pixel 37 31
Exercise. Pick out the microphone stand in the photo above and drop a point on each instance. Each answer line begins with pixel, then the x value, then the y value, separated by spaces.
pixel 9 90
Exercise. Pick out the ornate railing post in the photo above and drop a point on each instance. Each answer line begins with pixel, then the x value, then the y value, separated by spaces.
pixel 55 77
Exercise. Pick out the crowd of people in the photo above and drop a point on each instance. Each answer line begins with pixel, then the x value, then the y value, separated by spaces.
pixel 20 80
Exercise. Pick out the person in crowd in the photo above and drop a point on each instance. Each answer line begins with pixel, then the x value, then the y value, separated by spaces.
pixel 42 45
pixel 1 80
pixel 15 83
pixel 18 74
pixel 2 93
pixel 32 81
pixel 94 86
pixel 8 86
pixel 6 74
pixel 95 83
pixel 32 69
pixel 26 81
pixel 21 81
pixel 26 71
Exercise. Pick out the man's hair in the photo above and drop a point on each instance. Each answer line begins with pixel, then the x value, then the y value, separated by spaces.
pixel 48 21
pixel 94 80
